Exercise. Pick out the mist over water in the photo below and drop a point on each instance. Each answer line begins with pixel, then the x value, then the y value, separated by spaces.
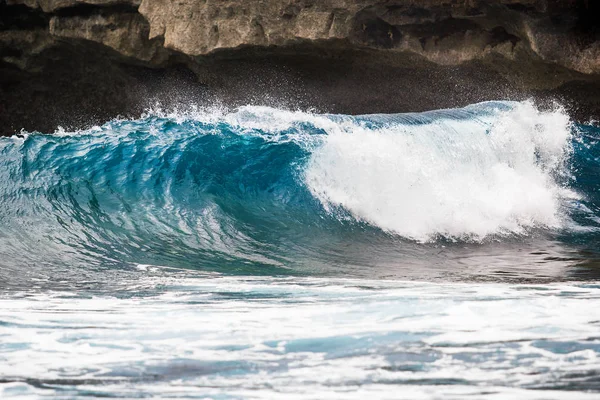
pixel 166 249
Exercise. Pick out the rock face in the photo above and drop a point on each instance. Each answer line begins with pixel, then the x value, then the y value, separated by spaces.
pixel 77 61
pixel 443 31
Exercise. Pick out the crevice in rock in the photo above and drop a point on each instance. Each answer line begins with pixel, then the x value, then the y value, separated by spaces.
pixel 587 27
pixel 374 31
pixel 441 29
pixel 528 9
pixel 21 17
pixel 87 10
pixel 499 35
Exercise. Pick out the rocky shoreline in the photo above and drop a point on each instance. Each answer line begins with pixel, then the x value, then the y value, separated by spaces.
pixel 78 62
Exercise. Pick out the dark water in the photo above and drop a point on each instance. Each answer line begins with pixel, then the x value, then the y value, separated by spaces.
pixel 264 253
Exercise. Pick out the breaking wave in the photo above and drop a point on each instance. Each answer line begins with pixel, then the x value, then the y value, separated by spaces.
pixel 263 186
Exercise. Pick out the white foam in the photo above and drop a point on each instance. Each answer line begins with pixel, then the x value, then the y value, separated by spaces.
pixel 467 178
pixel 269 337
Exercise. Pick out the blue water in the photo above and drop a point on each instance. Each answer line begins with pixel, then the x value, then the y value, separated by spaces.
pixel 262 253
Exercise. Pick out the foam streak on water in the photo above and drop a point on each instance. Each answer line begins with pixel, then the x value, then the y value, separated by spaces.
pixel 251 337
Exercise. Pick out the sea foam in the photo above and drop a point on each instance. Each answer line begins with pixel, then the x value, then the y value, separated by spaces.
pixel 462 178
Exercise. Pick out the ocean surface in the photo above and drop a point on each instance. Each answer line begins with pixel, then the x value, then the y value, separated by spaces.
pixel 266 253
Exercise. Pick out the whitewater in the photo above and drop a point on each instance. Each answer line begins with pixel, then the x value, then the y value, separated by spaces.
pixel 264 253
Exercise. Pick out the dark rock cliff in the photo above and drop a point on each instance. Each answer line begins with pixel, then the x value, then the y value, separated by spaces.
pixel 77 62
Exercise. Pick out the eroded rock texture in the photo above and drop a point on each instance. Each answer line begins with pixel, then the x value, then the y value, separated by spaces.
pixel 75 62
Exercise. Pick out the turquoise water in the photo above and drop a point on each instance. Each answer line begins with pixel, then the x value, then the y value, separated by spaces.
pixel 259 253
